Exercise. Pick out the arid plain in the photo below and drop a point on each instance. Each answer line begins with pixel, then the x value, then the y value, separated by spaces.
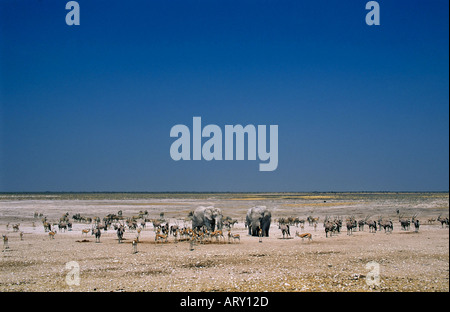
pixel 406 260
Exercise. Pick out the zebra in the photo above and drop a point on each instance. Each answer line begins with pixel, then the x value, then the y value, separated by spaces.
pixel 97 233
pixel 47 226
pixel 285 229
pixel 120 231
pixel 62 225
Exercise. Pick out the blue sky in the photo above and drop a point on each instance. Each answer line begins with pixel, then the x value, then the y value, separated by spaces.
pixel 90 107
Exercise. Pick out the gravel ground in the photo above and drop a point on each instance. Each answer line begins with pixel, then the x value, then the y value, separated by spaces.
pixel 407 261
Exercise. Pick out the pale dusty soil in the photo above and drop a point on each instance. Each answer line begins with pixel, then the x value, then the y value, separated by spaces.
pixel 408 261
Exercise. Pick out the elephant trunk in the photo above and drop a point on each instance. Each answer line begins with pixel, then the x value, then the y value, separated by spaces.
pixel 255 226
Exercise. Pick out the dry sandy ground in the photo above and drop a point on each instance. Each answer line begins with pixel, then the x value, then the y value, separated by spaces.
pixel 407 261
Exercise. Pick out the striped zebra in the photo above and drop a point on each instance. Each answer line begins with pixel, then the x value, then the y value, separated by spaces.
pixel 97 233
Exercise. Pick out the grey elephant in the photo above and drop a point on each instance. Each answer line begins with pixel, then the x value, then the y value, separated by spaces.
pixel 258 218
pixel 209 217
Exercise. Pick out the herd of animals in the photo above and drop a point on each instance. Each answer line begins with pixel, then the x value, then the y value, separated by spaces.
pixel 209 224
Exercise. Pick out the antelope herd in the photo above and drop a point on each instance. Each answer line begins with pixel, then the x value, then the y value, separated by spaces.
pixel 163 230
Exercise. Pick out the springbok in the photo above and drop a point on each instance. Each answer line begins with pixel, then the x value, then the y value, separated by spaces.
pixel 138 233
pixel 51 235
pixel 84 231
pixel 234 237
pixel 5 242
pixel 161 237
pixel 134 244
pixel 302 226
pixel 304 235
pixel 218 234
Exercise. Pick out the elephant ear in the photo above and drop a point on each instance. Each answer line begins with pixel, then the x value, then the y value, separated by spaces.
pixel 209 211
pixel 217 211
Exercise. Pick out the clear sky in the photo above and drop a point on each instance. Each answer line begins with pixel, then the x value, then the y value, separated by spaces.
pixel 90 107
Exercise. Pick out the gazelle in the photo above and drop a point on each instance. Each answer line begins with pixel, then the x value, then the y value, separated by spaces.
pixel 85 231
pixel 304 235
pixel 302 226
pixel 16 227
pixel 218 234
pixel 134 244
pixel 51 235
pixel 234 237
pixel 138 233
pixel 161 237
pixel 5 242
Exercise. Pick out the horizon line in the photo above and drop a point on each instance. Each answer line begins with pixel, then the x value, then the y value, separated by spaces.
pixel 212 192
